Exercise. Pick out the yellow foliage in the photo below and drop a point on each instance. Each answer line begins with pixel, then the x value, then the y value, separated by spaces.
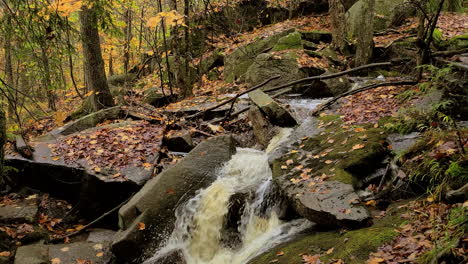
pixel 172 18
pixel 66 7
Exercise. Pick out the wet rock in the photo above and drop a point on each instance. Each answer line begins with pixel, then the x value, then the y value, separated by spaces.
pixel 101 235
pixel 230 234
pixel 457 196
pixel 262 128
pixel 328 204
pixel 95 253
pixel 216 59
pixel 18 213
pixel 268 65
pixel 155 204
pixel 175 256
pixel 179 141
pixel 32 254
pixel 23 148
pixel 277 114
pixel 5 241
pixel 238 62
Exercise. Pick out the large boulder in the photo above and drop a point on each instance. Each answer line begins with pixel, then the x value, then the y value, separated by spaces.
pixel 121 79
pixel 384 14
pixel 263 130
pixel 148 218
pixel 267 65
pixel 276 113
pixel 321 172
pixel 238 62
pixel 291 41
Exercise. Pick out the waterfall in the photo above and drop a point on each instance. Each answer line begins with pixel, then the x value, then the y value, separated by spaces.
pixel 199 227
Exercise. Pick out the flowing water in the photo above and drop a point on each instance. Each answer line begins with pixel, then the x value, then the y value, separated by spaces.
pixel 199 227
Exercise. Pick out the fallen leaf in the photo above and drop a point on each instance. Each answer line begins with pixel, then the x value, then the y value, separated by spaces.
pixel 375 260
pixel 141 226
pixel 55 261
pixel 65 249
pixel 5 254
pixel 308 259
pixel 100 254
pixel 280 253
pixel 330 251
pixel 358 146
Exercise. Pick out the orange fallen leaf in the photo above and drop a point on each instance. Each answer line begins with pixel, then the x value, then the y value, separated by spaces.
pixel 5 254
pixel 280 253
pixel 141 226
pixel 55 261
pixel 358 146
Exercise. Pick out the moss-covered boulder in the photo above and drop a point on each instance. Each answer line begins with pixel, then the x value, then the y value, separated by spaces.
pixel 352 247
pixel 457 42
pixel 268 65
pixel 384 13
pixel 238 62
pixel 276 113
pixel 215 59
pixel 291 41
pixel 319 174
pixel 121 79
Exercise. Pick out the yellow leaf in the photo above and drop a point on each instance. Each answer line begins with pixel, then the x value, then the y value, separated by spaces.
pixel 330 251
pixel 375 260
pixel 55 158
pixel 359 129
pixel 358 146
pixel 100 254
pixel 328 161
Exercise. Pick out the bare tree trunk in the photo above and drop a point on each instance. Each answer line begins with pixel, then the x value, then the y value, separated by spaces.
pixel 338 21
pixel 168 68
pixel 128 38
pixel 365 33
pixel 186 78
pixel 8 60
pixel 111 63
pixel 46 78
pixel 3 181
pixel 94 63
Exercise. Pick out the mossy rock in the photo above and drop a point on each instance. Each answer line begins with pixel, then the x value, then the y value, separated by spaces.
pixel 121 79
pixel 353 247
pixel 317 36
pixel 384 10
pixel 268 65
pixel 238 62
pixel 216 59
pixel 291 41
pixel 457 42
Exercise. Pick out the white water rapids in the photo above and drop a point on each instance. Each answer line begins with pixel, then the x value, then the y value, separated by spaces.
pixel 199 225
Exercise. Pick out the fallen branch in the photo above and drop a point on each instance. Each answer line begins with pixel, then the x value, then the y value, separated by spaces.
pixel 234 98
pixel 460 66
pixel 365 88
pixel 449 53
pixel 331 76
pixel 59 239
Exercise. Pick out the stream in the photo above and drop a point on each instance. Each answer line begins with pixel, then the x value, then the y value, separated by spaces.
pixel 199 230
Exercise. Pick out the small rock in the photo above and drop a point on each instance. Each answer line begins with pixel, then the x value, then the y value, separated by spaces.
pixel 179 141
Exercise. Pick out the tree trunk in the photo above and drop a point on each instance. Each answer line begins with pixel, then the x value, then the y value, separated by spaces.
pixel 8 61
pixel 365 33
pixel 111 63
pixel 3 181
pixel 128 38
pixel 94 64
pixel 338 21
pixel 46 78
pixel 186 78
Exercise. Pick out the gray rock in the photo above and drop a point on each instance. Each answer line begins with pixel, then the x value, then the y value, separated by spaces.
pixel 268 65
pixel 262 128
pixel 317 36
pixel 100 235
pixel 179 141
pixel 95 253
pixel 32 254
pixel 238 62
pixel 18 213
pixel 277 114
pixel 327 204
pixel 155 204
pixel 401 143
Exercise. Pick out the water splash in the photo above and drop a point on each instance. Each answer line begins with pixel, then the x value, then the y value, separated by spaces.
pixel 199 226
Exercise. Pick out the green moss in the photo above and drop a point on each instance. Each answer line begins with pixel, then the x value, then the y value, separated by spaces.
pixel 291 41
pixel 352 247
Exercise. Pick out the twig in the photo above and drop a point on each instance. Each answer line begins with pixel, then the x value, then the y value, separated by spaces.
pixel 365 88
pixel 234 98
pixel 448 53
pixel 58 239
pixel 383 178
